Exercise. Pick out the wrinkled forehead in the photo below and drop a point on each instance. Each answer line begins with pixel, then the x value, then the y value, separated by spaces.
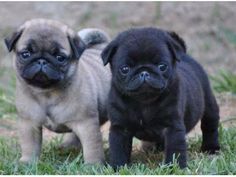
pixel 146 48
pixel 43 37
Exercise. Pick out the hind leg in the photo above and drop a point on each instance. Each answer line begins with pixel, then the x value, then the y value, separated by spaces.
pixel 70 140
pixel 209 126
pixel 160 143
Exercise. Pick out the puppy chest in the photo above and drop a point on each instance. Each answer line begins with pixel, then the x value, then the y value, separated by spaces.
pixel 56 127
pixel 57 117
pixel 60 114
pixel 147 117
pixel 147 124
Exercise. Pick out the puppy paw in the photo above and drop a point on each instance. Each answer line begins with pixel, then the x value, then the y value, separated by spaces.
pixel 210 149
pixel 95 162
pixel 25 159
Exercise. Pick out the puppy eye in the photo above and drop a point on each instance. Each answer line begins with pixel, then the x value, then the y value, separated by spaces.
pixel 60 58
pixel 25 54
pixel 162 67
pixel 125 69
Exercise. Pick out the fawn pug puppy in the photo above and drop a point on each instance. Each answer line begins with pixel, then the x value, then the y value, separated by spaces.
pixel 61 84
pixel 158 94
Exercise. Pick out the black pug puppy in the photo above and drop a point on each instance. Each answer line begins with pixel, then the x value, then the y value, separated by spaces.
pixel 158 94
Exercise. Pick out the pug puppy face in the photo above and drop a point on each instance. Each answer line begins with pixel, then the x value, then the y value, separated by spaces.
pixel 46 53
pixel 143 61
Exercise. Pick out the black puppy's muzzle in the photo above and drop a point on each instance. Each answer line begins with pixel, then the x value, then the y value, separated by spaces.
pixel 148 83
pixel 145 82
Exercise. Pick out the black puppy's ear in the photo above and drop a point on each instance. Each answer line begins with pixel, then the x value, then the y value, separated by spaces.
pixel 176 45
pixel 77 46
pixel 109 52
pixel 11 40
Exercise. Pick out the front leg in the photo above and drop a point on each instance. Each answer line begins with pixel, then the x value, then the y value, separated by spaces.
pixel 175 144
pixel 88 131
pixel 120 145
pixel 30 135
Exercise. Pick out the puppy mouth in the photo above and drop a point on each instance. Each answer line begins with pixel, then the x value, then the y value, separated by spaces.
pixel 145 86
pixel 145 95
pixel 42 77
pixel 41 80
pixel 145 91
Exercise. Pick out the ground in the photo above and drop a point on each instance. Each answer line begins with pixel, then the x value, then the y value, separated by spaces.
pixel 209 31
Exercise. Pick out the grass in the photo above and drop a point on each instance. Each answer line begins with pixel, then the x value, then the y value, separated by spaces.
pixel 63 162
pixel 226 36
pixel 7 94
pixel 216 11
pixel 85 17
pixel 157 16
pixel 224 81
pixel 7 107
pixel 112 20
pixel 230 35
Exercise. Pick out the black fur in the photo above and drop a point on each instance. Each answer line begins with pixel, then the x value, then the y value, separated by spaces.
pixel 162 106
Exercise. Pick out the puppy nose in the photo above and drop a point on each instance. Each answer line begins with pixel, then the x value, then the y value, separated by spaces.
pixel 42 62
pixel 144 74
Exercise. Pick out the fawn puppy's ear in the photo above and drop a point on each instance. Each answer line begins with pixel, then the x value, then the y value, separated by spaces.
pixel 10 41
pixel 77 45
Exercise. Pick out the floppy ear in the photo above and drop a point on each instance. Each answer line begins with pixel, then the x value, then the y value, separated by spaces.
pixel 176 45
pixel 11 40
pixel 77 45
pixel 109 52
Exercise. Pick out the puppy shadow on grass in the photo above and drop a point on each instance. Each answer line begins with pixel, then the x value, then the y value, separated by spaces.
pixel 52 149
pixel 152 156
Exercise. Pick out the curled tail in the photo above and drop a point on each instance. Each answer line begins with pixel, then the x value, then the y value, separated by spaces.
pixel 93 36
